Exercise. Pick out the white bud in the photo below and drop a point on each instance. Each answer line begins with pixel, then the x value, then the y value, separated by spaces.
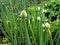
pixel 47 25
pixel 38 8
pixel 7 21
pixel 43 25
pixel 45 4
pixel 44 10
pixel 38 18
pixel 43 30
pixel 23 14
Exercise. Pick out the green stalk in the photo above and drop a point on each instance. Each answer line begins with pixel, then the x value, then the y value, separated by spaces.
pixel 15 29
pixel 21 32
pixel 40 33
pixel 32 33
pixel 51 41
pixel 26 33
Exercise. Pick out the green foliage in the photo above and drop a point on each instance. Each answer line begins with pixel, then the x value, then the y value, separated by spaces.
pixel 40 24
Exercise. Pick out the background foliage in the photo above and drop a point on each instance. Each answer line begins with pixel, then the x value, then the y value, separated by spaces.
pixel 29 30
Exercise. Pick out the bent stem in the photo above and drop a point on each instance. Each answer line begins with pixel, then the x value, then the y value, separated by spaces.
pixel 51 41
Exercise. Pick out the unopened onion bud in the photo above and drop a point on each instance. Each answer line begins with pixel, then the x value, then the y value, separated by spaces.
pixel 44 10
pixel 7 21
pixel 38 8
pixel 43 25
pixel 38 18
pixel 47 25
pixel 23 14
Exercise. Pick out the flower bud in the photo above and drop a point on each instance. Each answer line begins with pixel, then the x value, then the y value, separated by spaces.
pixel 43 25
pixel 45 4
pixel 47 25
pixel 23 14
pixel 44 10
pixel 38 8
pixel 7 21
pixel 38 18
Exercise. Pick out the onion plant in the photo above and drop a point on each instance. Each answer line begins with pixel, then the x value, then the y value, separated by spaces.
pixel 28 22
